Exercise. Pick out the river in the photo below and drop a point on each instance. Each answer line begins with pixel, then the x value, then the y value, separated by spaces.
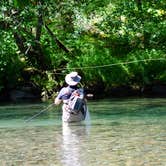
pixel 123 132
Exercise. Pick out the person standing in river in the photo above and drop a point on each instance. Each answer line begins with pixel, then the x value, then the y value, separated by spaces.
pixel 74 104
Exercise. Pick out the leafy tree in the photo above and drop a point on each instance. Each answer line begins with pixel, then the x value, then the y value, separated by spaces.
pixel 50 38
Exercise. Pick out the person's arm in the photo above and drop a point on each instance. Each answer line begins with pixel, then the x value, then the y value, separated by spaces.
pixel 60 96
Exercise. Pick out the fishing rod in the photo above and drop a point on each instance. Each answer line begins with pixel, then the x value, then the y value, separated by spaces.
pixel 34 116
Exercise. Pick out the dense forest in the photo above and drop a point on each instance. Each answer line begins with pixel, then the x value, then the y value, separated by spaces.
pixel 111 43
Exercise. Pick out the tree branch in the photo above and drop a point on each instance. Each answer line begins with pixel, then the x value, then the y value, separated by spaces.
pixel 139 4
pixel 59 43
pixel 39 23
pixel 20 42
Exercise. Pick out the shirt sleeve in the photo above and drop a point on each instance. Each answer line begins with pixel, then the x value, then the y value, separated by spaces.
pixel 64 94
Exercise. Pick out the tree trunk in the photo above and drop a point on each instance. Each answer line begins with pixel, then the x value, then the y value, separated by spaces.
pixel 39 23
pixel 139 4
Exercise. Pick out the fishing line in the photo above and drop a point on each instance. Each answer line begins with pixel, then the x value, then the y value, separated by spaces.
pixel 115 64
pixel 34 116
pixel 106 65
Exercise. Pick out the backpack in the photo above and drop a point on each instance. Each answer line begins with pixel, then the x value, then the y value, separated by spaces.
pixel 76 101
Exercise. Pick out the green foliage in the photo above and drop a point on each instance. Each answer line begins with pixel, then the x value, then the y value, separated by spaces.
pixel 97 64
pixel 20 3
pixel 10 63
pixel 101 37
pixel 148 67
pixel 48 82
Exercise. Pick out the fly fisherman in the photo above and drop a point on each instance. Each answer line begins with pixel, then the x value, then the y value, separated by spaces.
pixel 74 106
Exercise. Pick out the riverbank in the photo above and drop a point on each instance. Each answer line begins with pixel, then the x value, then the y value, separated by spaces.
pixel 33 93
pixel 128 91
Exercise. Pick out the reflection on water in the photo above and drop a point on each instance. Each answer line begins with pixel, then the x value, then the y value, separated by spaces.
pixel 126 132
pixel 73 137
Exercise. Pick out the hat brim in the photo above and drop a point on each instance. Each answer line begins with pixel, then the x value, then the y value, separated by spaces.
pixel 72 82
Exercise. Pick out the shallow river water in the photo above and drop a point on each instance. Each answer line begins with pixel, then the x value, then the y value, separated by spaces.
pixel 126 132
